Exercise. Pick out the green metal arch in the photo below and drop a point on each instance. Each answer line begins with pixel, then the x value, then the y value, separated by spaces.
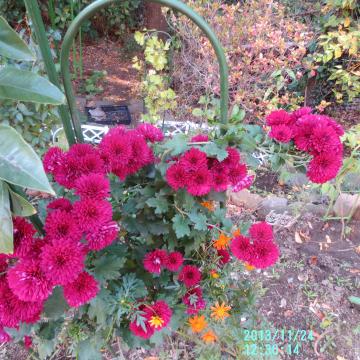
pixel 91 9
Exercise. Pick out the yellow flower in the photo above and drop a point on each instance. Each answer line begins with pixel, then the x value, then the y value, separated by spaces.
pixel 214 274
pixel 249 267
pixel 156 321
pixel 197 323
pixel 222 242
pixel 209 337
pixel 220 312
pixel 210 205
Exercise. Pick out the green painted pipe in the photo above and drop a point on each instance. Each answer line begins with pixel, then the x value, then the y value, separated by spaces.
pixel 94 7
pixel 34 13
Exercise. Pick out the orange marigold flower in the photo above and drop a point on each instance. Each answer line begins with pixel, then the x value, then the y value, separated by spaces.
pixel 197 323
pixel 209 337
pixel 249 267
pixel 222 242
pixel 220 312
pixel 214 274
pixel 237 232
pixel 210 205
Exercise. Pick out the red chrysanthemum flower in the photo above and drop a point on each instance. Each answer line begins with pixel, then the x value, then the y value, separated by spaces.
pixel 200 182
pixel 60 204
pixel 237 173
pixel 241 248
pixel 297 114
pixel 155 260
pixel 278 117
pixel 141 154
pixel 91 214
pixel 190 275
pixel 103 236
pixel 150 132
pixel 332 123
pixel 194 159
pixel 61 225
pixel 281 133
pixel 220 178
pixel 324 139
pixel 62 262
pixel 81 291
pixel 28 282
pixel 145 331
pixel 194 301
pixel 80 150
pixel 23 237
pixel 224 256
pixel 199 138
pixel 4 336
pixel 91 164
pixel 261 231
pixel 264 254
pixel 176 176
pixel 233 157
pixel 28 342
pixel 160 315
pixel 92 186
pixel 174 261
pixel 324 167
pixel 303 131
pixel 53 159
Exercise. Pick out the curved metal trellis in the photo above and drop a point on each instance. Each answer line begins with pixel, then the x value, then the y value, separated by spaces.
pixel 97 5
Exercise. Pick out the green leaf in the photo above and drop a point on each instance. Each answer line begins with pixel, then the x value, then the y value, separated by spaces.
pixel 212 149
pixel 199 220
pixel 108 267
pixel 27 86
pixel 87 350
pixel 11 45
pixel 354 300
pixel 20 206
pixel 19 163
pixel 55 306
pixel 197 112
pixel 159 203
pixel 181 226
pixel 177 145
pixel 6 224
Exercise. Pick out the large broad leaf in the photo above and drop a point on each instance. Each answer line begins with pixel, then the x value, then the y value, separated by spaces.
pixel 20 206
pixel 11 45
pixel 19 163
pixel 6 224
pixel 27 86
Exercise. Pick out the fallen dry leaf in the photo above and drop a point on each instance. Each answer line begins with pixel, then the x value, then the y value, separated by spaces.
pixel 338 357
pixel 328 239
pixel 298 238
pixel 357 249
pixel 354 271
pixel 313 260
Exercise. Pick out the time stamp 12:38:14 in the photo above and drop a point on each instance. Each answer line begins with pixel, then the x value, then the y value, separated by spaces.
pixel 271 342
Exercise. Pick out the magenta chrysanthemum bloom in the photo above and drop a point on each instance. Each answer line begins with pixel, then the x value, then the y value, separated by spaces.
pixel 190 275
pixel 224 256
pixel 220 180
pixel 116 148
pixel 144 332
pixel 176 176
pixel 174 261
pixel 23 237
pixel 237 173
pixel 233 157
pixel 81 150
pixel 92 186
pixel 297 114
pixel 103 236
pixel 28 282
pixel 200 182
pixel 278 117
pixel 194 159
pixel 199 138
pixel 155 260
pixel 141 154
pixel 303 132
pixel 62 262
pixel 13 310
pixel 265 254
pixel 53 159
pixel 324 167
pixel 324 139
pixel 91 164
pixel 332 123
pixel 91 214
pixel 60 204
pixel 281 133
pixel 4 336
pixel 162 310
pixel 150 132
pixel 28 342
pixel 261 231
pixel 81 291
pixel 61 225
pixel 194 301
pixel 241 248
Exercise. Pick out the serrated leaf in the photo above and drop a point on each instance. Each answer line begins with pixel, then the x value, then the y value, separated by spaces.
pixel 19 164
pixel 20 206
pixel 108 267
pixel 55 306
pixel 87 350
pixel 181 226
pixel 199 220
pixel 212 149
pixel 11 45
pixel 25 85
pixel 177 145
pixel 6 224
pixel 159 203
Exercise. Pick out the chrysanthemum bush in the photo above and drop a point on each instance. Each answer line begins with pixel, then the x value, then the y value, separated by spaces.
pixel 136 246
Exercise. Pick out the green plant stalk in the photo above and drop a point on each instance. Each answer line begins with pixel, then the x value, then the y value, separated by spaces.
pixel 74 60
pixel 36 221
pixel 94 7
pixel 33 10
